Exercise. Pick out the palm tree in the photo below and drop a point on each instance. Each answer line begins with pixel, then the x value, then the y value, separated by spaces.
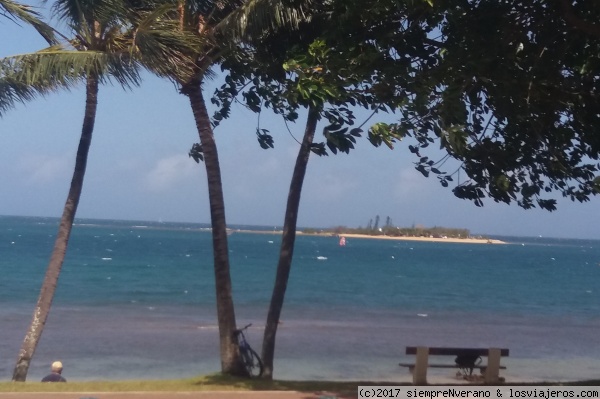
pixel 107 46
pixel 219 24
pixel 203 17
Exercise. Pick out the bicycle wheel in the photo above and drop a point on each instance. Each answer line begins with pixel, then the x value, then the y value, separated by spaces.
pixel 252 361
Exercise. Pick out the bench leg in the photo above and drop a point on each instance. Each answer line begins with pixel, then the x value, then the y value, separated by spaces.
pixel 420 371
pixel 493 367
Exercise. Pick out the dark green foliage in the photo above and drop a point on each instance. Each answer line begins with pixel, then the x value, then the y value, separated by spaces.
pixel 508 89
pixel 515 98
pixel 196 153
pixel 348 54
pixel 385 133
pixel 264 139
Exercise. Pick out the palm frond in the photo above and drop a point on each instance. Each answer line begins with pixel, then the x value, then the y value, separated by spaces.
pixel 255 17
pixel 166 52
pixel 212 11
pixel 81 14
pixel 56 67
pixel 162 47
pixel 16 11
pixel 13 92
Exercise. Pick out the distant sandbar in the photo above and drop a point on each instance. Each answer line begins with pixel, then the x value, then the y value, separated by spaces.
pixel 469 240
pixel 429 239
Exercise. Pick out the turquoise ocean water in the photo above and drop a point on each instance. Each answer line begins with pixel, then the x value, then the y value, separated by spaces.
pixel 136 300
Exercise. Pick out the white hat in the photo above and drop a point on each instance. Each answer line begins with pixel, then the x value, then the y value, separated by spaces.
pixel 57 366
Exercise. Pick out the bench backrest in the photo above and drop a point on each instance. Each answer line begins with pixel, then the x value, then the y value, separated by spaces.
pixel 441 351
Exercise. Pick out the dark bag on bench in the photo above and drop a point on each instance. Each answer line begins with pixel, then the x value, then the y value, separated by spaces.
pixel 467 361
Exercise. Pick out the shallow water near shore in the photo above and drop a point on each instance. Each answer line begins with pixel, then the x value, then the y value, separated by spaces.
pixel 136 301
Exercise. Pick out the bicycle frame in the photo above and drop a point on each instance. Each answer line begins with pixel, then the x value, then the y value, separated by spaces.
pixel 250 358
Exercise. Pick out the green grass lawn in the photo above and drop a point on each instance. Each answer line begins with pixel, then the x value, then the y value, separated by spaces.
pixel 216 382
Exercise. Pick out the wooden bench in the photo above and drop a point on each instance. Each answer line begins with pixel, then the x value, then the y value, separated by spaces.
pixel 490 371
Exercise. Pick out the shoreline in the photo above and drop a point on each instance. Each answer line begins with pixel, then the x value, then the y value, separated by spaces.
pixel 381 237
pixel 428 239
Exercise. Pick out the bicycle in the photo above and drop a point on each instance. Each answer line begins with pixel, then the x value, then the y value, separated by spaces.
pixel 250 358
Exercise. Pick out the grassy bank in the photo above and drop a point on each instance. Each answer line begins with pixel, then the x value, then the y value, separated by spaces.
pixel 205 383
pixel 217 382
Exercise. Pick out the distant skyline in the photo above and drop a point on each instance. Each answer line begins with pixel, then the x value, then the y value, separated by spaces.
pixel 139 168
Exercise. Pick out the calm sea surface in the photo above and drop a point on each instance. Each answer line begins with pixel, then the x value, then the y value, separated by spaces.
pixel 136 300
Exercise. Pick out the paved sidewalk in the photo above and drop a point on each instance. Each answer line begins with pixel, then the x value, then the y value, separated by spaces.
pixel 173 395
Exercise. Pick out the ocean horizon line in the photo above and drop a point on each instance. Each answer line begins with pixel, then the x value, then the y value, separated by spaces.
pixel 141 223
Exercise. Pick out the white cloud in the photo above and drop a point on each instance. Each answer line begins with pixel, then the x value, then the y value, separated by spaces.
pixel 45 168
pixel 170 171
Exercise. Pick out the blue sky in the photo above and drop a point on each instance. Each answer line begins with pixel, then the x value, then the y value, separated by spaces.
pixel 139 168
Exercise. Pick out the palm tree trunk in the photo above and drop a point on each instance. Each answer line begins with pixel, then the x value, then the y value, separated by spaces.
pixel 42 308
pixel 288 239
pixel 230 358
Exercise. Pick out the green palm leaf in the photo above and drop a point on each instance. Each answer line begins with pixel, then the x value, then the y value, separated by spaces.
pixel 56 67
pixel 255 17
pixel 162 47
pixel 150 40
pixel 13 92
pixel 82 14
pixel 14 10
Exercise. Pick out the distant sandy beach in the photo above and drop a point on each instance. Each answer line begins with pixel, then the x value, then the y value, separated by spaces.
pixel 429 239
pixel 403 238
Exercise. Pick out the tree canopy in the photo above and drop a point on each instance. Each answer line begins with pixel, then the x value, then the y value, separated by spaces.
pixel 515 99
pixel 507 89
